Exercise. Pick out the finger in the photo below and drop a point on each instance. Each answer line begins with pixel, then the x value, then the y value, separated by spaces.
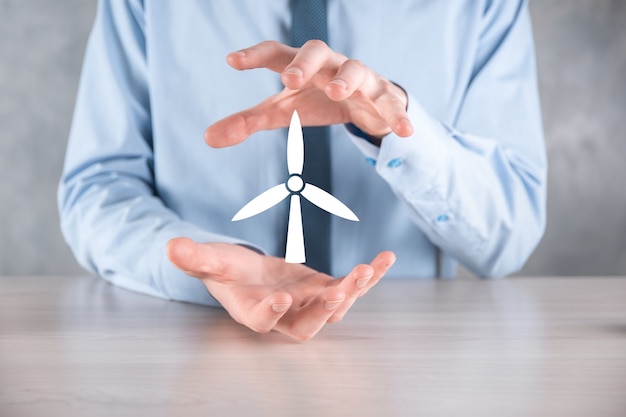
pixel 304 323
pixel 214 261
pixel 263 316
pixel 349 78
pixel 313 57
pixel 183 253
pixel 352 285
pixel 381 265
pixel 393 111
pixel 272 55
pixel 237 127
pixel 389 100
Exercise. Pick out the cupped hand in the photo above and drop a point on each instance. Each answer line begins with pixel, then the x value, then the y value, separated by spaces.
pixel 265 293
pixel 323 85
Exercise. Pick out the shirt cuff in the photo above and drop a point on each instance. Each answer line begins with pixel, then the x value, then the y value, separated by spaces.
pixel 416 170
pixel 410 165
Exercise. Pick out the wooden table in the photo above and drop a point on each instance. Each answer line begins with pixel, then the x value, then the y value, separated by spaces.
pixel 531 347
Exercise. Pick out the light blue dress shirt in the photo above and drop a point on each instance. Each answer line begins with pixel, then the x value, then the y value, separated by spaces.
pixel 469 185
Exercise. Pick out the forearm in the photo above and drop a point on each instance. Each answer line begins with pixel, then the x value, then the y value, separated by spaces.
pixel 118 229
pixel 474 198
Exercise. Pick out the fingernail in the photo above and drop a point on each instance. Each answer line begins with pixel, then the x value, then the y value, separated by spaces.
pixel 294 71
pixel 404 127
pixel 280 308
pixel 234 55
pixel 340 83
pixel 362 282
pixel 331 305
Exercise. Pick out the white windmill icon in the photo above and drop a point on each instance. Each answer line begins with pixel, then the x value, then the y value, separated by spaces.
pixel 295 187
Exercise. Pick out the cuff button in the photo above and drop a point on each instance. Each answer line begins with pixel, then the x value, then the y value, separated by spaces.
pixel 443 218
pixel 371 161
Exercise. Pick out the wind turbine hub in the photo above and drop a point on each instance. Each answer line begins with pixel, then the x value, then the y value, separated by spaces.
pixel 295 183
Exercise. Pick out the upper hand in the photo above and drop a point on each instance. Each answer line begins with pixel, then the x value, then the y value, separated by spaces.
pixel 323 85
pixel 265 293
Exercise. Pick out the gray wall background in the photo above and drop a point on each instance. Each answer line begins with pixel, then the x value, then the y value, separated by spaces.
pixel 581 51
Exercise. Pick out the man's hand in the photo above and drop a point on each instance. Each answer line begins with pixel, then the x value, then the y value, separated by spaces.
pixel 324 86
pixel 264 293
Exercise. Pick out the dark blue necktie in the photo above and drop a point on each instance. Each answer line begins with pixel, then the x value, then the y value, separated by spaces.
pixel 309 22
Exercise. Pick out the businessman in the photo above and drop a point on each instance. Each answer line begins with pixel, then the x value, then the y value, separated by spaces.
pixel 427 123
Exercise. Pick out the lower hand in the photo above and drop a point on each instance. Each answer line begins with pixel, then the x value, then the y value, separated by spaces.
pixel 265 293
pixel 323 85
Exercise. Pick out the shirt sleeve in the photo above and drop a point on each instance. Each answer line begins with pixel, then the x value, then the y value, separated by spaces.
pixel 110 216
pixel 477 188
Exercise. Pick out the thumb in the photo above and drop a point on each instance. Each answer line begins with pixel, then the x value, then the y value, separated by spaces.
pixel 229 131
pixel 272 113
pixel 183 253
pixel 237 127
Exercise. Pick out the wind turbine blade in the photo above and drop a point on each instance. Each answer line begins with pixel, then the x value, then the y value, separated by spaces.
pixel 295 146
pixel 262 202
pixel 294 253
pixel 325 201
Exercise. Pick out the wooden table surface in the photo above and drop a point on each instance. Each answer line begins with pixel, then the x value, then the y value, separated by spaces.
pixel 72 346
